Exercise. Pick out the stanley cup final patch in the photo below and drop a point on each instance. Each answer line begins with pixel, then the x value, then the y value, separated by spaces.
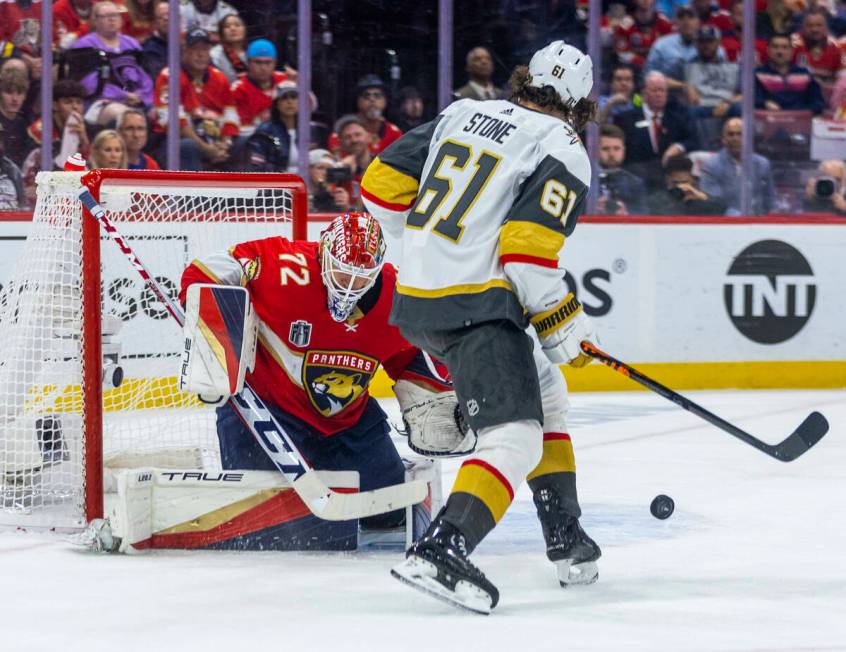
pixel 300 333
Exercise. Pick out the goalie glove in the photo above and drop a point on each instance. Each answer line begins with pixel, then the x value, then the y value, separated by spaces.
pixel 433 422
pixel 561 331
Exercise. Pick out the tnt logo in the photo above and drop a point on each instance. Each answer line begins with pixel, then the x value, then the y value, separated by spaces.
pixel 770 292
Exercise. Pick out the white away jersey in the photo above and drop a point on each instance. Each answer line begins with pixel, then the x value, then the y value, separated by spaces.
pixel 482 199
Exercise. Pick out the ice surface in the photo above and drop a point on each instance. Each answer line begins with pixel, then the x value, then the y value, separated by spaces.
pixel 753 559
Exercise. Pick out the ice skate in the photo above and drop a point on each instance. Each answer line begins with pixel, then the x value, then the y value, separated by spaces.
pixel 572 551
pixel 438 565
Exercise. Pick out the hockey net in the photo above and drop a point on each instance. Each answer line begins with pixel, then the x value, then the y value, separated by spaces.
pixel 88 356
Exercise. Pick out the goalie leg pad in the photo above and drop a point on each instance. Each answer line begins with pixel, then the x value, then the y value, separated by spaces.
pixel 433 422
pixel 220 335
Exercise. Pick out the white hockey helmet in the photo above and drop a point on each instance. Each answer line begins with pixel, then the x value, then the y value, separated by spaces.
pixel 567 69
pixel 352 252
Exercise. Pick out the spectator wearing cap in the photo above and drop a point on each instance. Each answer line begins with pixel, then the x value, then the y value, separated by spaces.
pixel 204 14
pixel 230 55
pixel 355 139
pixel 273 145
pixel 254 91
pixel 327 195
pixel 670 53
pixel 783 86
pixel 154 49
pixel 125 82
pixel 715 79
pixel 480 69
pixel 409 108
pixel 722 174
pixel 370 105
pixel 636 33
pixel 816 50
pixel 208 119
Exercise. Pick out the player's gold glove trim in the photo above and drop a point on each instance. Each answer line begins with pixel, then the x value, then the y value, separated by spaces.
pixel 548 322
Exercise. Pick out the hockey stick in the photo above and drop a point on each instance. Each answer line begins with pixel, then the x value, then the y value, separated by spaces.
pixel 809 432
pixel 320 499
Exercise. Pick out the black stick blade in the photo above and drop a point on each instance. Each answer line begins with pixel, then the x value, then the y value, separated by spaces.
pixel 809 432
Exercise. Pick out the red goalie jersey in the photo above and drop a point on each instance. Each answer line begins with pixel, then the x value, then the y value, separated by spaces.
pixel 307 364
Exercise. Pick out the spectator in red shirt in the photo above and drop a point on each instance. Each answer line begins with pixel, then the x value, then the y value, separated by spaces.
pixel 208 120
pixel 132 127
pixel 710 14
pixel 815 50
pixel 70 21
pixel 371 102
pixel 138 20
pixel 253 92
pixel 636 33
pixel 20 23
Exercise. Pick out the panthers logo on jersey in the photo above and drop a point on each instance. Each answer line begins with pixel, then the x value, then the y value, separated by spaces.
pixel 335 380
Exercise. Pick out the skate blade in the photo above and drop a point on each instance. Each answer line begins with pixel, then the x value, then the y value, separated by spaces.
pixel 420 574
pixel 581 574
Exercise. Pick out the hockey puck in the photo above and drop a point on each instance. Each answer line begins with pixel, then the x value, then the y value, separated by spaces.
pixel 662 507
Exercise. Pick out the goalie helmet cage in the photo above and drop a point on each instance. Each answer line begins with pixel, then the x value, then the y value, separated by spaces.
pixel 88 357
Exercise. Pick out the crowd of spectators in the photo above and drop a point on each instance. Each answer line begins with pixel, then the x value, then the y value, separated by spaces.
pixel 670 98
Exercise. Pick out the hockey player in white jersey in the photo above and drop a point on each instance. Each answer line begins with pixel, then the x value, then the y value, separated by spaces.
pixel 480 202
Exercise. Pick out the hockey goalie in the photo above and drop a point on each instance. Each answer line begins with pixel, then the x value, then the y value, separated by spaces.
pixel 306 324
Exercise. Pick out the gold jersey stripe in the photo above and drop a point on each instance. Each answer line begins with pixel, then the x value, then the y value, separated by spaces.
pixel 557 457
pixel 530 239
pixel 450 290
pixel 478 481
pixel 389 185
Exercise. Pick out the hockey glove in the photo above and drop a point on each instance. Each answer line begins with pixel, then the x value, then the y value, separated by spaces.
pixel 433 422
pixel 561 331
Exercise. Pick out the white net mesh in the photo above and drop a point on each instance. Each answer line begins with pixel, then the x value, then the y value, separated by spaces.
pixel 146 420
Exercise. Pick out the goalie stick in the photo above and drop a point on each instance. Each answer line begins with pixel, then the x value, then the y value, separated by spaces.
pixel 809 432
pixel 320 499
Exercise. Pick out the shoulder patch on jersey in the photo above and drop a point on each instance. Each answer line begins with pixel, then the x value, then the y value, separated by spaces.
pixel 251 267
pixel 334 380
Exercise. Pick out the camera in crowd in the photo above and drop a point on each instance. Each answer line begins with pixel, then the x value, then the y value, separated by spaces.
pixel 606 189
pixel 676 193
pixel 825 187
pixel 339 176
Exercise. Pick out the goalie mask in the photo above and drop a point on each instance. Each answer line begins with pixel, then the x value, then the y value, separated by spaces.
pixel 352 252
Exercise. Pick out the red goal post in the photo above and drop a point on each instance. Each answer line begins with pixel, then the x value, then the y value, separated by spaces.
pixel 58 422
